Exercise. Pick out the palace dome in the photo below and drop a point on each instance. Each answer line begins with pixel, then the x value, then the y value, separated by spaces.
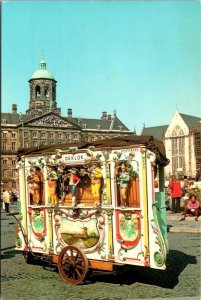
pixel 42 72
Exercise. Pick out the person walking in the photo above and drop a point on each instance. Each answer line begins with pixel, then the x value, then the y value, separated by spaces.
pixel 6 200
pixel 176 194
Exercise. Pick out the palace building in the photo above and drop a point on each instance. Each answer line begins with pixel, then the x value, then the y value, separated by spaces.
pixel 42 124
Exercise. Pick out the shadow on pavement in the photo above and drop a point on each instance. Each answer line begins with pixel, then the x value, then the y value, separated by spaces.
pixel 8 254
pixel 176 263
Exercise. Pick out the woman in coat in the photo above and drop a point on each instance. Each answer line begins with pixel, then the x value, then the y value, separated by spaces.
pixel 176 194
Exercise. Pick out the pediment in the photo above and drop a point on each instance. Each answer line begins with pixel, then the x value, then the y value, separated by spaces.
pixel 50 120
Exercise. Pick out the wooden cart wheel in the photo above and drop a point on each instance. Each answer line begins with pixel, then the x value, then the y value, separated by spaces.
pixel 72 265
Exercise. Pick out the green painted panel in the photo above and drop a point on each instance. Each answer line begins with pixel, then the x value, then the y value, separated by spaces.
pixel 161 209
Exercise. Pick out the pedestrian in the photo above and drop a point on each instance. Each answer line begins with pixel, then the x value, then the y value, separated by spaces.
pixel 6 199
pixel 191 208
pixel 176 194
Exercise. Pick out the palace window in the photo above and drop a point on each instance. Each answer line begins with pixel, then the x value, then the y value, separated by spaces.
pixel 68 136
pixel 26 144
pixel 13 173
pixel 13 146
pixel 4 145
pixel 4 173
pixel 4 135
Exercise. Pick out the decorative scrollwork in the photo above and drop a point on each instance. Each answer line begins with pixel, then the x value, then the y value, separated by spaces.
pixel 159 256
pixel 102 251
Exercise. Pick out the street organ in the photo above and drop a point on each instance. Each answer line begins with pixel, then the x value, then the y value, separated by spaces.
pixel 95 205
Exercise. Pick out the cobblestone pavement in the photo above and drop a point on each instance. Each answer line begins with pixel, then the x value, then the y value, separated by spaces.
pixel 181 280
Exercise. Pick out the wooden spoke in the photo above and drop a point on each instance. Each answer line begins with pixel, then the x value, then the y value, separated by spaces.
pixel 77 271
pixel 71 253
pixel 79 267
pixel 72 265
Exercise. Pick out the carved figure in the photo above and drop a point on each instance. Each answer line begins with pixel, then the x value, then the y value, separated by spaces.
pixel 123 181
pixel 35 181
pixel 52 185
pixel 96 176
pixel 73 182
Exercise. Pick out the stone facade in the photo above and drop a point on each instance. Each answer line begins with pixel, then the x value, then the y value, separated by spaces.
pixel 180 148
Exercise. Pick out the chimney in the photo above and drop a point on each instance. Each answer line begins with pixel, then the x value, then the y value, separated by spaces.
pixel 115 113
pixel 109 117
pixel 14 108
pixel 104 115
pixel 69 113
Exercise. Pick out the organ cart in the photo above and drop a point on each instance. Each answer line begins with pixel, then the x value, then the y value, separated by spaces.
pixel 86 206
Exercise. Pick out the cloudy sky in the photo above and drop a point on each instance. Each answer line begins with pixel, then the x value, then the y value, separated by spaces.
pixel 140 58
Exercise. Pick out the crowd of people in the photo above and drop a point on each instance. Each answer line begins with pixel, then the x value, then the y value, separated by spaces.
pixel 176 190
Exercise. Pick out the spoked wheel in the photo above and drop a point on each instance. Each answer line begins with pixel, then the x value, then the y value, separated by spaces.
pixel 73 265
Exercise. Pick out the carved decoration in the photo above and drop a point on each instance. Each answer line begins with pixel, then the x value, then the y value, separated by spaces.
pixel 50 121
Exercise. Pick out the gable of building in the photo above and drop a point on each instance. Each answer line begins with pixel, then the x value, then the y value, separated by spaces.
pixel 50 120
pixel 177 127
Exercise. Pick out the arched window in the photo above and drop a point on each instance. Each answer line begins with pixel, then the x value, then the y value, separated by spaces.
pixel 37 91
pixel 47 94
pixel 178 147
